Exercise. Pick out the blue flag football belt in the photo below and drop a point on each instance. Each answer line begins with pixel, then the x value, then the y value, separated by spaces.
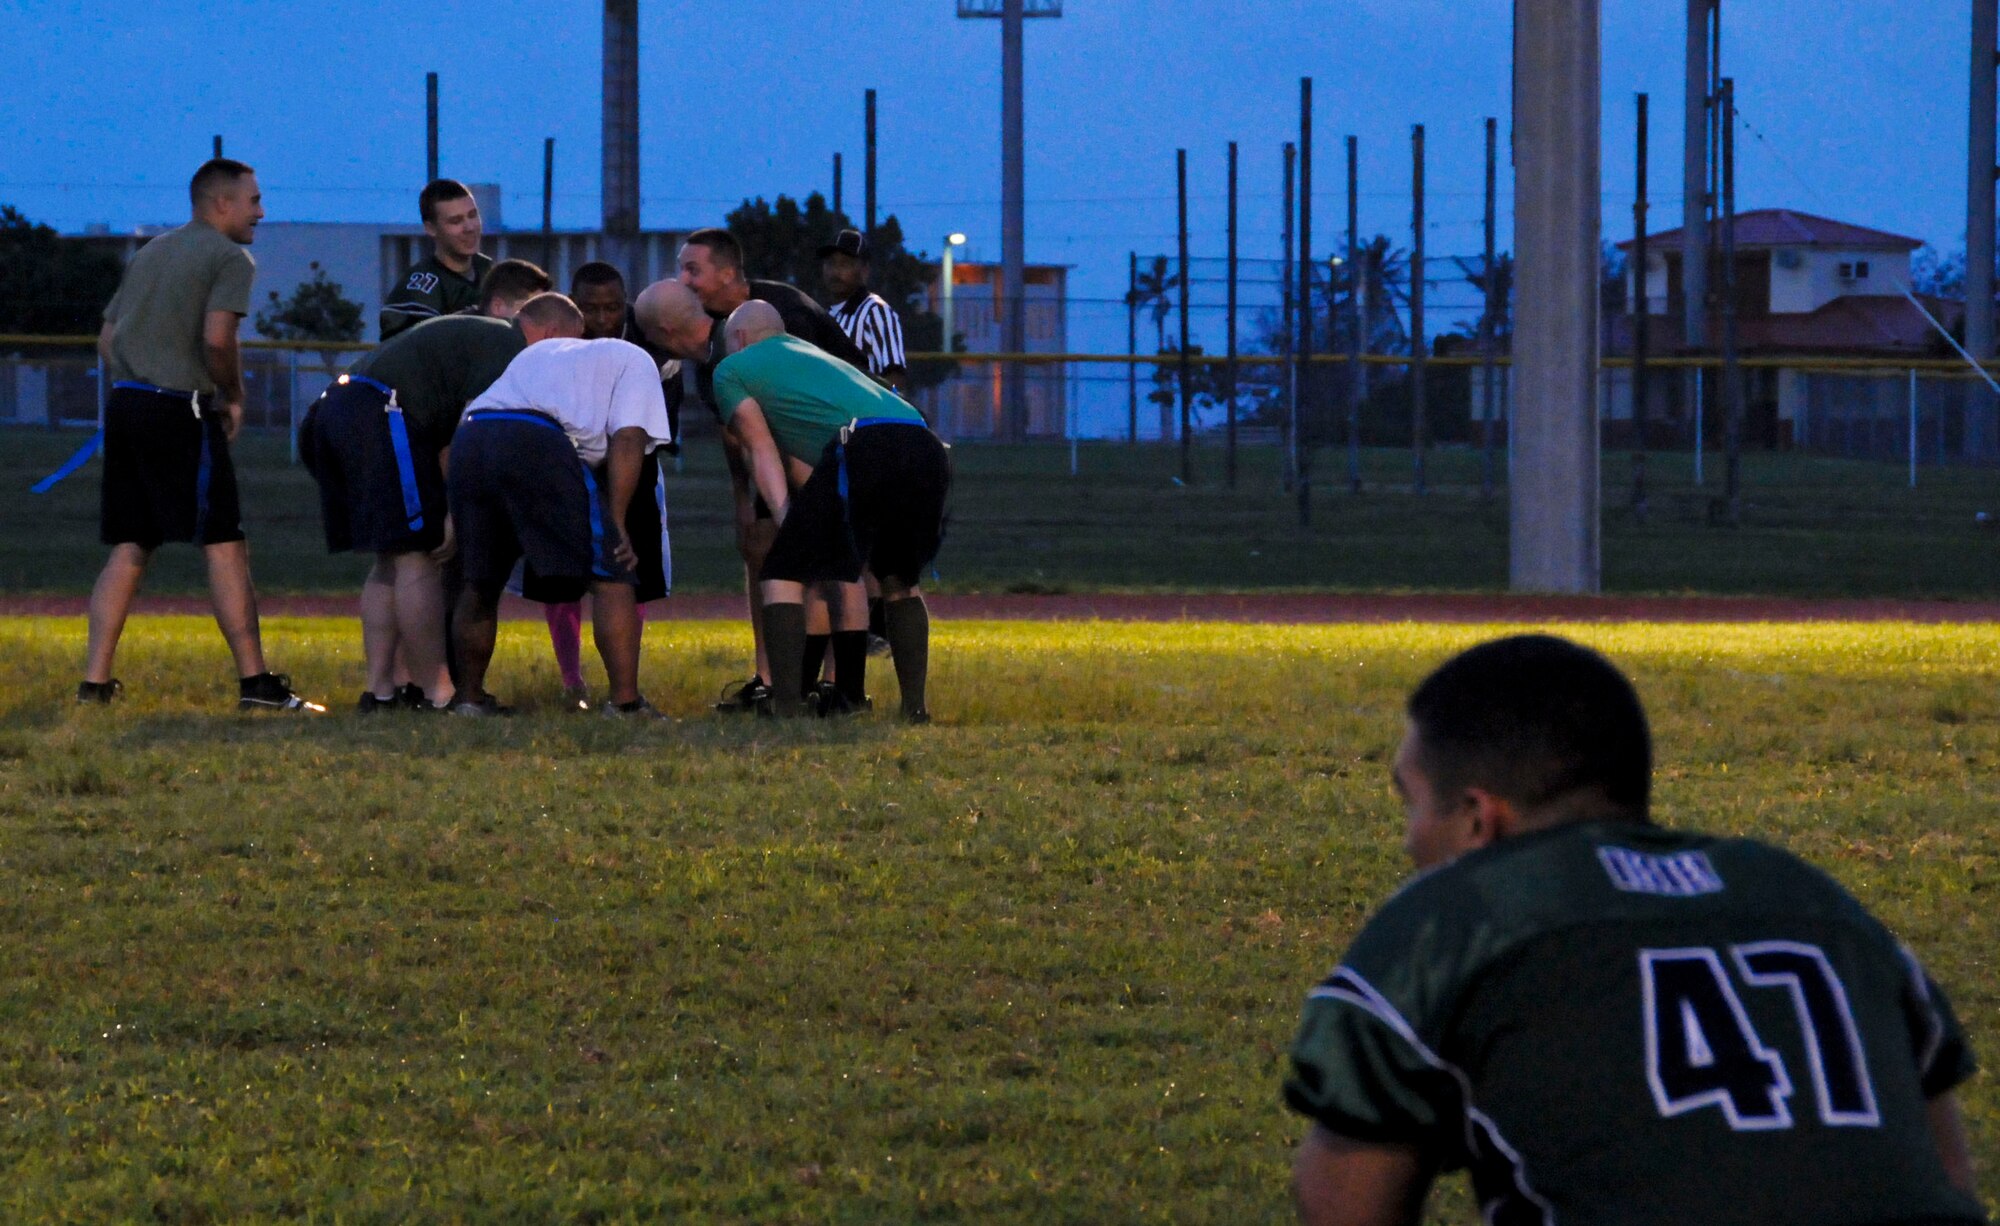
pixel 399 442
pixel 96 441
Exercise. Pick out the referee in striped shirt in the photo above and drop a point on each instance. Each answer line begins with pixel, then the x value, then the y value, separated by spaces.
pixel 866 317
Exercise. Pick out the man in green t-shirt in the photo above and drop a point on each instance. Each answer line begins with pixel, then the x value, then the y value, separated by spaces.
pixel 447 281
pixel 1605 1021
pixel 375 442
pixel 871 485
pixel 169 346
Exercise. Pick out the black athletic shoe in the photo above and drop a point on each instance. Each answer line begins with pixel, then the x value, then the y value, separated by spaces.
pixel 638 708
pixel 916 717
pixel 576 702
pixel 410 697
pixel 484 705
pixel 828 702
pixel 370 704
pixel 877 645
pixel 99 693
pixel 272 692
pixel 743 697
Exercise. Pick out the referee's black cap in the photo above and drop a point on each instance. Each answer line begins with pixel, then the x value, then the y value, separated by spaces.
pixel 847 242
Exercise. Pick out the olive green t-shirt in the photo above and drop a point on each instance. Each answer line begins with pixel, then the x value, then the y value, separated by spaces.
pixel 440 366
pixel 156 314
pixel 806 394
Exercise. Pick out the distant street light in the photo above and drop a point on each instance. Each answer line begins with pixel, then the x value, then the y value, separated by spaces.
pixel 952 240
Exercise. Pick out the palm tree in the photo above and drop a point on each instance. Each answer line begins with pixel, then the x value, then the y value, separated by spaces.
pixel 1155 288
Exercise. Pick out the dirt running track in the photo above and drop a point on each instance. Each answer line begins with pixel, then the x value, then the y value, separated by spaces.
pixel 1220 607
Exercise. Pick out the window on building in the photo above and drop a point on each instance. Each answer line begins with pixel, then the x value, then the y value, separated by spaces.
pixel 1861 270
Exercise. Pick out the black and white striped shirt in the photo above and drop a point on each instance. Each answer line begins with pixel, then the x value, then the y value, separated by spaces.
pixel 873 327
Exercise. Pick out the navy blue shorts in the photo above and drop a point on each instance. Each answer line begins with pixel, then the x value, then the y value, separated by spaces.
pixel 168 475
pixel 377 492
pixel 875 502
pixel 517 490
pixel 645 527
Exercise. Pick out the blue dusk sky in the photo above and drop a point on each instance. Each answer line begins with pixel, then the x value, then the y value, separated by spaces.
pixel 1853 108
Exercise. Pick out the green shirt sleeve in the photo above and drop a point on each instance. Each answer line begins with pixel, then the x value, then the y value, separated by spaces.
pixel 730 389
pixel 1944 1057
pixel 230 290
pixel 1360 1070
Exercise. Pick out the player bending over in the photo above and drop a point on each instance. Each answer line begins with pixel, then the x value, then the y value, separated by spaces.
pixel 1605 1021
pixel 543 466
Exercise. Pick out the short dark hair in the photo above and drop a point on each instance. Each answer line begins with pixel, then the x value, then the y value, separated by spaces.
pixel 213 176
pixel 552 310
pixel 512 279
pixel 721 243
pixel 439 191
pixel 596 272
pixel 1531 719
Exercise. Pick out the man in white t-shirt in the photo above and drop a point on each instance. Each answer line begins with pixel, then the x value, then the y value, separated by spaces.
pixel 544 464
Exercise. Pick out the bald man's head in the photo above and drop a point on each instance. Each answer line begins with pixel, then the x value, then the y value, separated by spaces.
pixel 752 322
pixel 549 315
pixel 671 317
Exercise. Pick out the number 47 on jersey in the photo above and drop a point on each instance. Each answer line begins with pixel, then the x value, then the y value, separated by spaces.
pixel 1701 1050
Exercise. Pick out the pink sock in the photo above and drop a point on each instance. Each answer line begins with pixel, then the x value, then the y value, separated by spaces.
pixel 566 636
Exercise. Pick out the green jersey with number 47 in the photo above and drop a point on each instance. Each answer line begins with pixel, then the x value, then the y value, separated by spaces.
pixel 1609 1022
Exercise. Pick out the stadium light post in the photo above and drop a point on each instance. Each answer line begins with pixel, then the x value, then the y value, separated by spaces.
pixel 951 242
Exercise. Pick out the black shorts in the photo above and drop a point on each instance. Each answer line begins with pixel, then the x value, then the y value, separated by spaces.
pixel 891 520
pixel 377 492
pixel 168 475
pixel 645 527
pixel 518 489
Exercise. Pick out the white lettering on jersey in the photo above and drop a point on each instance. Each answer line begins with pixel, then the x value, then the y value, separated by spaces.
pixel 1683 874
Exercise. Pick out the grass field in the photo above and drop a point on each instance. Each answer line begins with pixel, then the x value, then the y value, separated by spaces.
pixel 1037 962
pixel 1021 522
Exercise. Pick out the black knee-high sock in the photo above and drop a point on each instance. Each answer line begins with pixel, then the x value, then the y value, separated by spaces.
pixel 815 656
pixel 850 664
pixel 785 644
pixel 908 624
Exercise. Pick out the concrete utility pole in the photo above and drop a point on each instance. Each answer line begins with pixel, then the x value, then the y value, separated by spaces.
pixel 1980 424
pixel 1554 496
pixel 1229 371
pixel 1489 319
pixel 836 183
pixel 218 145
pixel 621 136
pixel 1357 286
pixel 1304 401
pixel 1287 307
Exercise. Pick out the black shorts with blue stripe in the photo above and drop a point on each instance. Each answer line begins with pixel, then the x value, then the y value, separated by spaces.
pixel 168 475
pixel 645 529
pixel 518 489
pixel 378 491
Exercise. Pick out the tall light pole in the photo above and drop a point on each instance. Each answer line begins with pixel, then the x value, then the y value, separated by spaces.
pixel 1554 496
pixel 951 242
pixel 1013 213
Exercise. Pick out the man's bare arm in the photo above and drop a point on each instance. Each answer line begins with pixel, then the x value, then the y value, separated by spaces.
pixel 1948 1132
pixel 767 467
pixel 1338 1181
pixel 223 358
pixel 621 467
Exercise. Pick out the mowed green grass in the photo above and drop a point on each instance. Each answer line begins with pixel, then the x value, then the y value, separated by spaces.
pixel 1037 962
